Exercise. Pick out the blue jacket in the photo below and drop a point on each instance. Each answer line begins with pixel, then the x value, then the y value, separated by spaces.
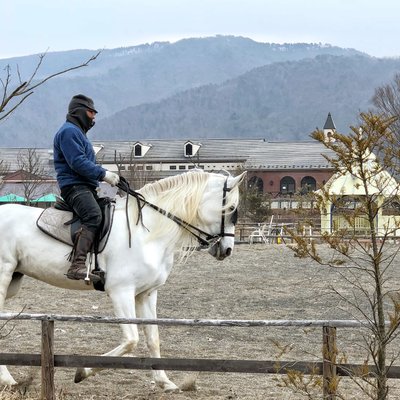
pixel 74 158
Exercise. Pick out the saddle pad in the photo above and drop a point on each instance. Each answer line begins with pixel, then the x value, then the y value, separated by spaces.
pixel 54 223
pixel 57 224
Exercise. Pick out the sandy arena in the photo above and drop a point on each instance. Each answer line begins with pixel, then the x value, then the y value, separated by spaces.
pixel 257 282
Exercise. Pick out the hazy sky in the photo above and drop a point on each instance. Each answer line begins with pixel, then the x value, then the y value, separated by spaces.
pixel 34 26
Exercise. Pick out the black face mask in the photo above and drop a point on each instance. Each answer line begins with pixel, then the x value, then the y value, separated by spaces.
pixel 79 117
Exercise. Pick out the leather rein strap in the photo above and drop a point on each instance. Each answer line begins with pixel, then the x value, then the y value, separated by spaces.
pixel 207 240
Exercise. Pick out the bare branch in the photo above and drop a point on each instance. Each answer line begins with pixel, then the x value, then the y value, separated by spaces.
pixel 26 88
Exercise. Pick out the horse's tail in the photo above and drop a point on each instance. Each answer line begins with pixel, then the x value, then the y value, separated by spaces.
pixel 15 284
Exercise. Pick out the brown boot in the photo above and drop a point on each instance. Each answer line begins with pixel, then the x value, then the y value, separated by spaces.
pixel 83 244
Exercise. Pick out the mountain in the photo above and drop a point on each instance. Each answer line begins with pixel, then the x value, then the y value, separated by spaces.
pixel 147 78
pixel 280 101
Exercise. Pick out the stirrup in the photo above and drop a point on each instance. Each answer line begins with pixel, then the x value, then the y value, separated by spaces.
pixel 88 278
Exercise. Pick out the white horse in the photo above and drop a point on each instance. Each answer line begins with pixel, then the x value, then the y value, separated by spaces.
pixel 206 201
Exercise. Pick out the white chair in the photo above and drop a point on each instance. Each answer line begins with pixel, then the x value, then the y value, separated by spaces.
pixel 259 234
pixel 262 233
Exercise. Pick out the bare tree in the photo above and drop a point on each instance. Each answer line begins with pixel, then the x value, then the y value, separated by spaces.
pixel 35 182
pixel 387 100
pixel 4 168
pixel 364 259
pixel 13 95
pixel 136 173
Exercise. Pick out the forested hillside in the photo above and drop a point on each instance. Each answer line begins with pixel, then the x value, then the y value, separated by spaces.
pixel 220 86
pixel 281 101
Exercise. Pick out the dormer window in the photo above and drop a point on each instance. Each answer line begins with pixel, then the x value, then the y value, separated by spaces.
pixel 140 150
pixel 137 150
pixel 190 149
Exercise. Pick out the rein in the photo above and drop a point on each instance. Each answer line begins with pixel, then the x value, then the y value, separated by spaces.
pixel 207 240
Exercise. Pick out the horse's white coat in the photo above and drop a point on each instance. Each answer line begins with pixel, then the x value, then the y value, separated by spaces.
pixel 132 274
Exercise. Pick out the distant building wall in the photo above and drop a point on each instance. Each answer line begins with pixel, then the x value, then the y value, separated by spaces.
pixel 272 179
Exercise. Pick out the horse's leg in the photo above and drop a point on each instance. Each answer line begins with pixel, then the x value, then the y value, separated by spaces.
pixel 6 274
pixel 124 307
pixel 146 307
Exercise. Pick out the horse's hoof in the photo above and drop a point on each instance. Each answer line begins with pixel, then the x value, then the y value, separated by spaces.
pixel 8 382
pixel 171 388
pixel 5 377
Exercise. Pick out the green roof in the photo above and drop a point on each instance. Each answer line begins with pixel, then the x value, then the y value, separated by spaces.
pixel 47 198
pixel 12 198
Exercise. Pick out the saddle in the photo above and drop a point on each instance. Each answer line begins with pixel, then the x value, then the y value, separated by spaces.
pixel 61 223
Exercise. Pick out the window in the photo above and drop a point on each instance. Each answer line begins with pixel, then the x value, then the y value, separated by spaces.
pixel 137 150
pixel 172 167
pixel 287 185
pixel 308 184
pixel 182 167
pixel 149 167
pixel 256 183
pixel 188 149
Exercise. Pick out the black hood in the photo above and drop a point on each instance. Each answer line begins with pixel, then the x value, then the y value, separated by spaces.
pixel 77 115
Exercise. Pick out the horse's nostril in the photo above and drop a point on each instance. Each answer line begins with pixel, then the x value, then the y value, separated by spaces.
pixel 228 251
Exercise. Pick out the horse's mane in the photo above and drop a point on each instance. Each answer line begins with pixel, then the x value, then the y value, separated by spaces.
pixel 179 195
pixel 175 190
pixel 188 188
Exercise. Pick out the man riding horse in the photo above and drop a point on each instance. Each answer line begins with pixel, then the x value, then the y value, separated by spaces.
pixel 78 177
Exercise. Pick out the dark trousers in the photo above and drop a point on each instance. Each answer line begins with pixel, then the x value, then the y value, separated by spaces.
pixel 83 200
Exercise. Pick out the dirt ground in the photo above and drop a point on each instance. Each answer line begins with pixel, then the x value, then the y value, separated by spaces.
pixel 257 282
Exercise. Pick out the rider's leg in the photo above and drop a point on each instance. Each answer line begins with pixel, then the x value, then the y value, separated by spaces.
pixel 83 200
pixel 83 244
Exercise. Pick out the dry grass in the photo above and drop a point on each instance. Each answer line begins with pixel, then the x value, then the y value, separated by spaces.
pixel 16 394
pixel 27 390
pixel 21 393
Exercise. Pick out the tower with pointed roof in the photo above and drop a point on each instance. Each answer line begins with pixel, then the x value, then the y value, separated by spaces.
pixel 329 129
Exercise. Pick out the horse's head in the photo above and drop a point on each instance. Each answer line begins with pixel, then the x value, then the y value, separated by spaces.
pixel 195 208
pixel 219 212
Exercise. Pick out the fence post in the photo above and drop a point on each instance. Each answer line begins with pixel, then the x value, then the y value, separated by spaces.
pixel 47 360
pixel 329 352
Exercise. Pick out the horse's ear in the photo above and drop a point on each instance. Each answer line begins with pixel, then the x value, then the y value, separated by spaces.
pixel 237 180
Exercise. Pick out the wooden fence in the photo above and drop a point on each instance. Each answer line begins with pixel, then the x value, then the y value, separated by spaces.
pixel 48 360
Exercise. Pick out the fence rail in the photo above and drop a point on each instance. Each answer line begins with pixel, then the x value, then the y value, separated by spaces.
pixel 182 321
pixel 48 360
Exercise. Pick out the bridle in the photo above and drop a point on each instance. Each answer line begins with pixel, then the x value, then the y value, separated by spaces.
pixel 205 239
